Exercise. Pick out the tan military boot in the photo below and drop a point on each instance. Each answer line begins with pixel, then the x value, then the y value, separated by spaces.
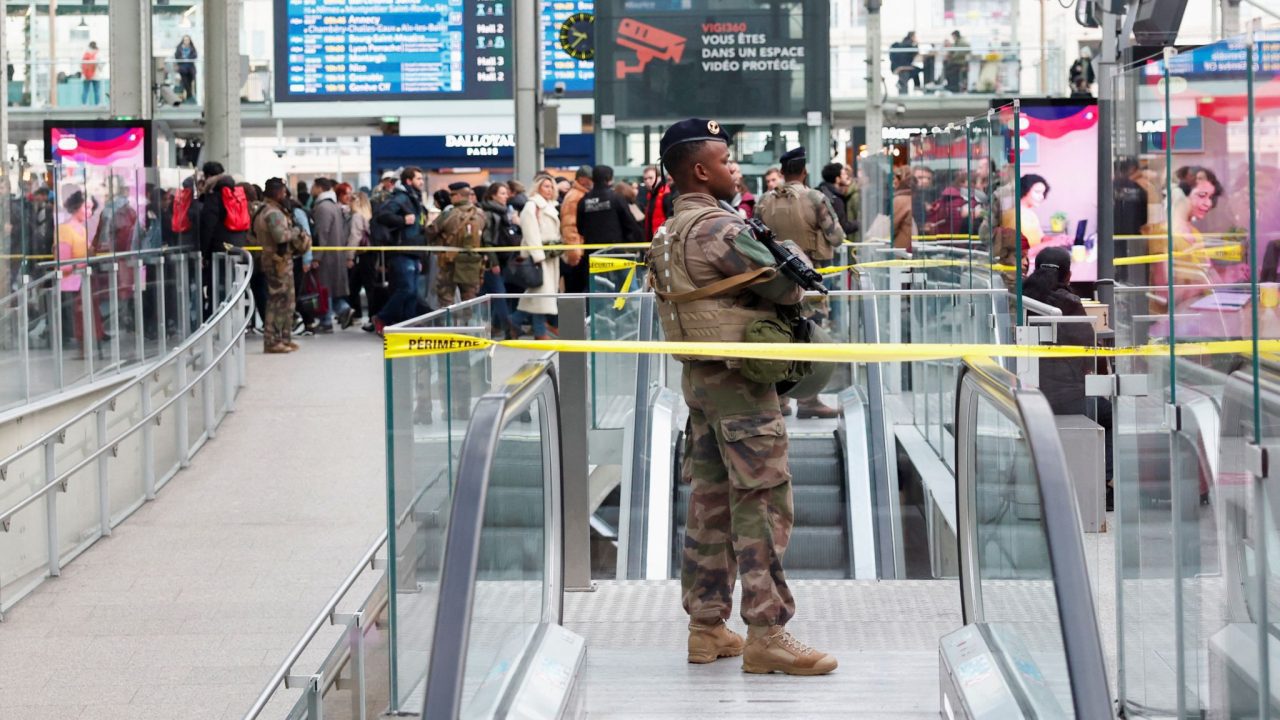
pixel 707 643
pixel 815 408
pixel 773 649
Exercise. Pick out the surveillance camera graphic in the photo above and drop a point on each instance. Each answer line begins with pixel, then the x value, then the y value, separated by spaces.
pixel 650 43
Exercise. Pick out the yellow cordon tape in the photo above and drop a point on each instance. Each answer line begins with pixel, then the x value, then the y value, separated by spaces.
pixel 608 264
pixel 418 344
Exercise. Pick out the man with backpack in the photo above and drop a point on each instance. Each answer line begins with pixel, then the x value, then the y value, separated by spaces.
pixel 400 221
pixel 461 226
pixel 801 214
pixel 224 220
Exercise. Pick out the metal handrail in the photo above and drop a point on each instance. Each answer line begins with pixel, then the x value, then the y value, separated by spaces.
pixel 110 257
pixel 444 681
pixel 92 457
pixel 58 432
pixel 326 615
pixel 1077 618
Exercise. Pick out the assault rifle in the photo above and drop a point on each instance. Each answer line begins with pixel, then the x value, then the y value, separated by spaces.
pixel 789 263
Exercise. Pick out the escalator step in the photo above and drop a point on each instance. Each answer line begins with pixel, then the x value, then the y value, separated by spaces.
pixel 817 548
pixel 509 472
pixel 813 447
pixel 812 553
pixel 818 506
pixel 815 505
pixel 514 507
pixel 510 553
pixel 815 471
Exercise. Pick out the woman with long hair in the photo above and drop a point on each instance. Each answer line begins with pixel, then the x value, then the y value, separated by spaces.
pixel 539 226
pixel 366 273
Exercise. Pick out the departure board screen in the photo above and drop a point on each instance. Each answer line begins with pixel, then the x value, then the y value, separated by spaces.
pixel 393 50
pixel 565 23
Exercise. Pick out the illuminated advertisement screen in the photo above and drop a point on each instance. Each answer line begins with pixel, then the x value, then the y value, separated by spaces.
pixel 664 59
pixel 116 143
pixel 568 26
pixel 1057 139
pixel 393 50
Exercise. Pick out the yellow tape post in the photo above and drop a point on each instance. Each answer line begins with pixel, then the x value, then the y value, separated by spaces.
pixel 407 345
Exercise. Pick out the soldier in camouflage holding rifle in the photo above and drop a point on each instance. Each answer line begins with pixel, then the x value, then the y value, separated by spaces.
pixel 716 282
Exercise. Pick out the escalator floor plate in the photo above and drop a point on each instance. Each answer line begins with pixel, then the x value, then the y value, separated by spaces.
pixel 885 635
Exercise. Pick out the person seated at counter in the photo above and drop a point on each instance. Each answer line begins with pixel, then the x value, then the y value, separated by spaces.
pixel 1062 380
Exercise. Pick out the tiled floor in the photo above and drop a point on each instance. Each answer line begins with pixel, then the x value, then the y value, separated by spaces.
pixel 192 603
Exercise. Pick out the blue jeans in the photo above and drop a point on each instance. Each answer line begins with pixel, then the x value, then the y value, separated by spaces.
pixel 337 306
pixel 403 303
pixel 86 87
pixel 539 322
pixel 499 309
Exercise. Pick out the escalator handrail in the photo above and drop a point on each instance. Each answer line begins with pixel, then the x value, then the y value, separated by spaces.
pixel 458 574
pixel 1086 668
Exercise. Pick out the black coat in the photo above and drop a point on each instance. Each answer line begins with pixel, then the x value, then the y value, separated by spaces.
pixel 390 216
pixel 604 218
pixel 1062 380
pixel 211 228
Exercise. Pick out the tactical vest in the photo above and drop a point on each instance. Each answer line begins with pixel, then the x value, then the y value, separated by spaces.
pixel 789 212
pixel 699 312
pixel 462 227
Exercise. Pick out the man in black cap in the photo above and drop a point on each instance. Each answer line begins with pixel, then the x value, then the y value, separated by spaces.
pixel 799 213
pixel 461 226
pixel 715 282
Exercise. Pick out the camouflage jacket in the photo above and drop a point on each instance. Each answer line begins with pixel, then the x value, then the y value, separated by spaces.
pixel 279 237
pixel 805 215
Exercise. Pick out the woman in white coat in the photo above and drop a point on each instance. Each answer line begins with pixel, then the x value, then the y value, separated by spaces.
pixel 540 225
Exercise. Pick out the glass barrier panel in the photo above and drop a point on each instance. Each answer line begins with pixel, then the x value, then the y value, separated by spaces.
pixel 612 375
pixel 511 571
pixel 1015 578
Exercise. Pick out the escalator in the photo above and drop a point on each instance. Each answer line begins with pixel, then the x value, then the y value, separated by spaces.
pixel 1015 636
pixel 819 546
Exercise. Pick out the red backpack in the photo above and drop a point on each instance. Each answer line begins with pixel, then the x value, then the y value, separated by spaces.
pixel 236 204
pixel 182 210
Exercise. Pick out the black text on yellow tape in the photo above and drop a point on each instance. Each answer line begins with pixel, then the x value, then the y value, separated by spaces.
pixel 398 345
pixel 405 345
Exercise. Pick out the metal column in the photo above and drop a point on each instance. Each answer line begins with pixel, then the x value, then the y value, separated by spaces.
pixel 222 81
pixel 576 497
pixel 528 66
pixel 130 94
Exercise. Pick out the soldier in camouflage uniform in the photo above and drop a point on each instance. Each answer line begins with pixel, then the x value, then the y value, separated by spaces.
pixel 713 279
pixel 800 213
pixel 460 226
pixel 273 228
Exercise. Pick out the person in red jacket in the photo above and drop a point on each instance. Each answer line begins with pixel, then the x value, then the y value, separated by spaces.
pixel 89 75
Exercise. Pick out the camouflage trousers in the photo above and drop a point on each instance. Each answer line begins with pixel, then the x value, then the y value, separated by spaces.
pixel 277 321
pixel 740 508
pixel 450 286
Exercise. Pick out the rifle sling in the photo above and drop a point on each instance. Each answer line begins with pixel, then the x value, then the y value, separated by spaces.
pixel 721 287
